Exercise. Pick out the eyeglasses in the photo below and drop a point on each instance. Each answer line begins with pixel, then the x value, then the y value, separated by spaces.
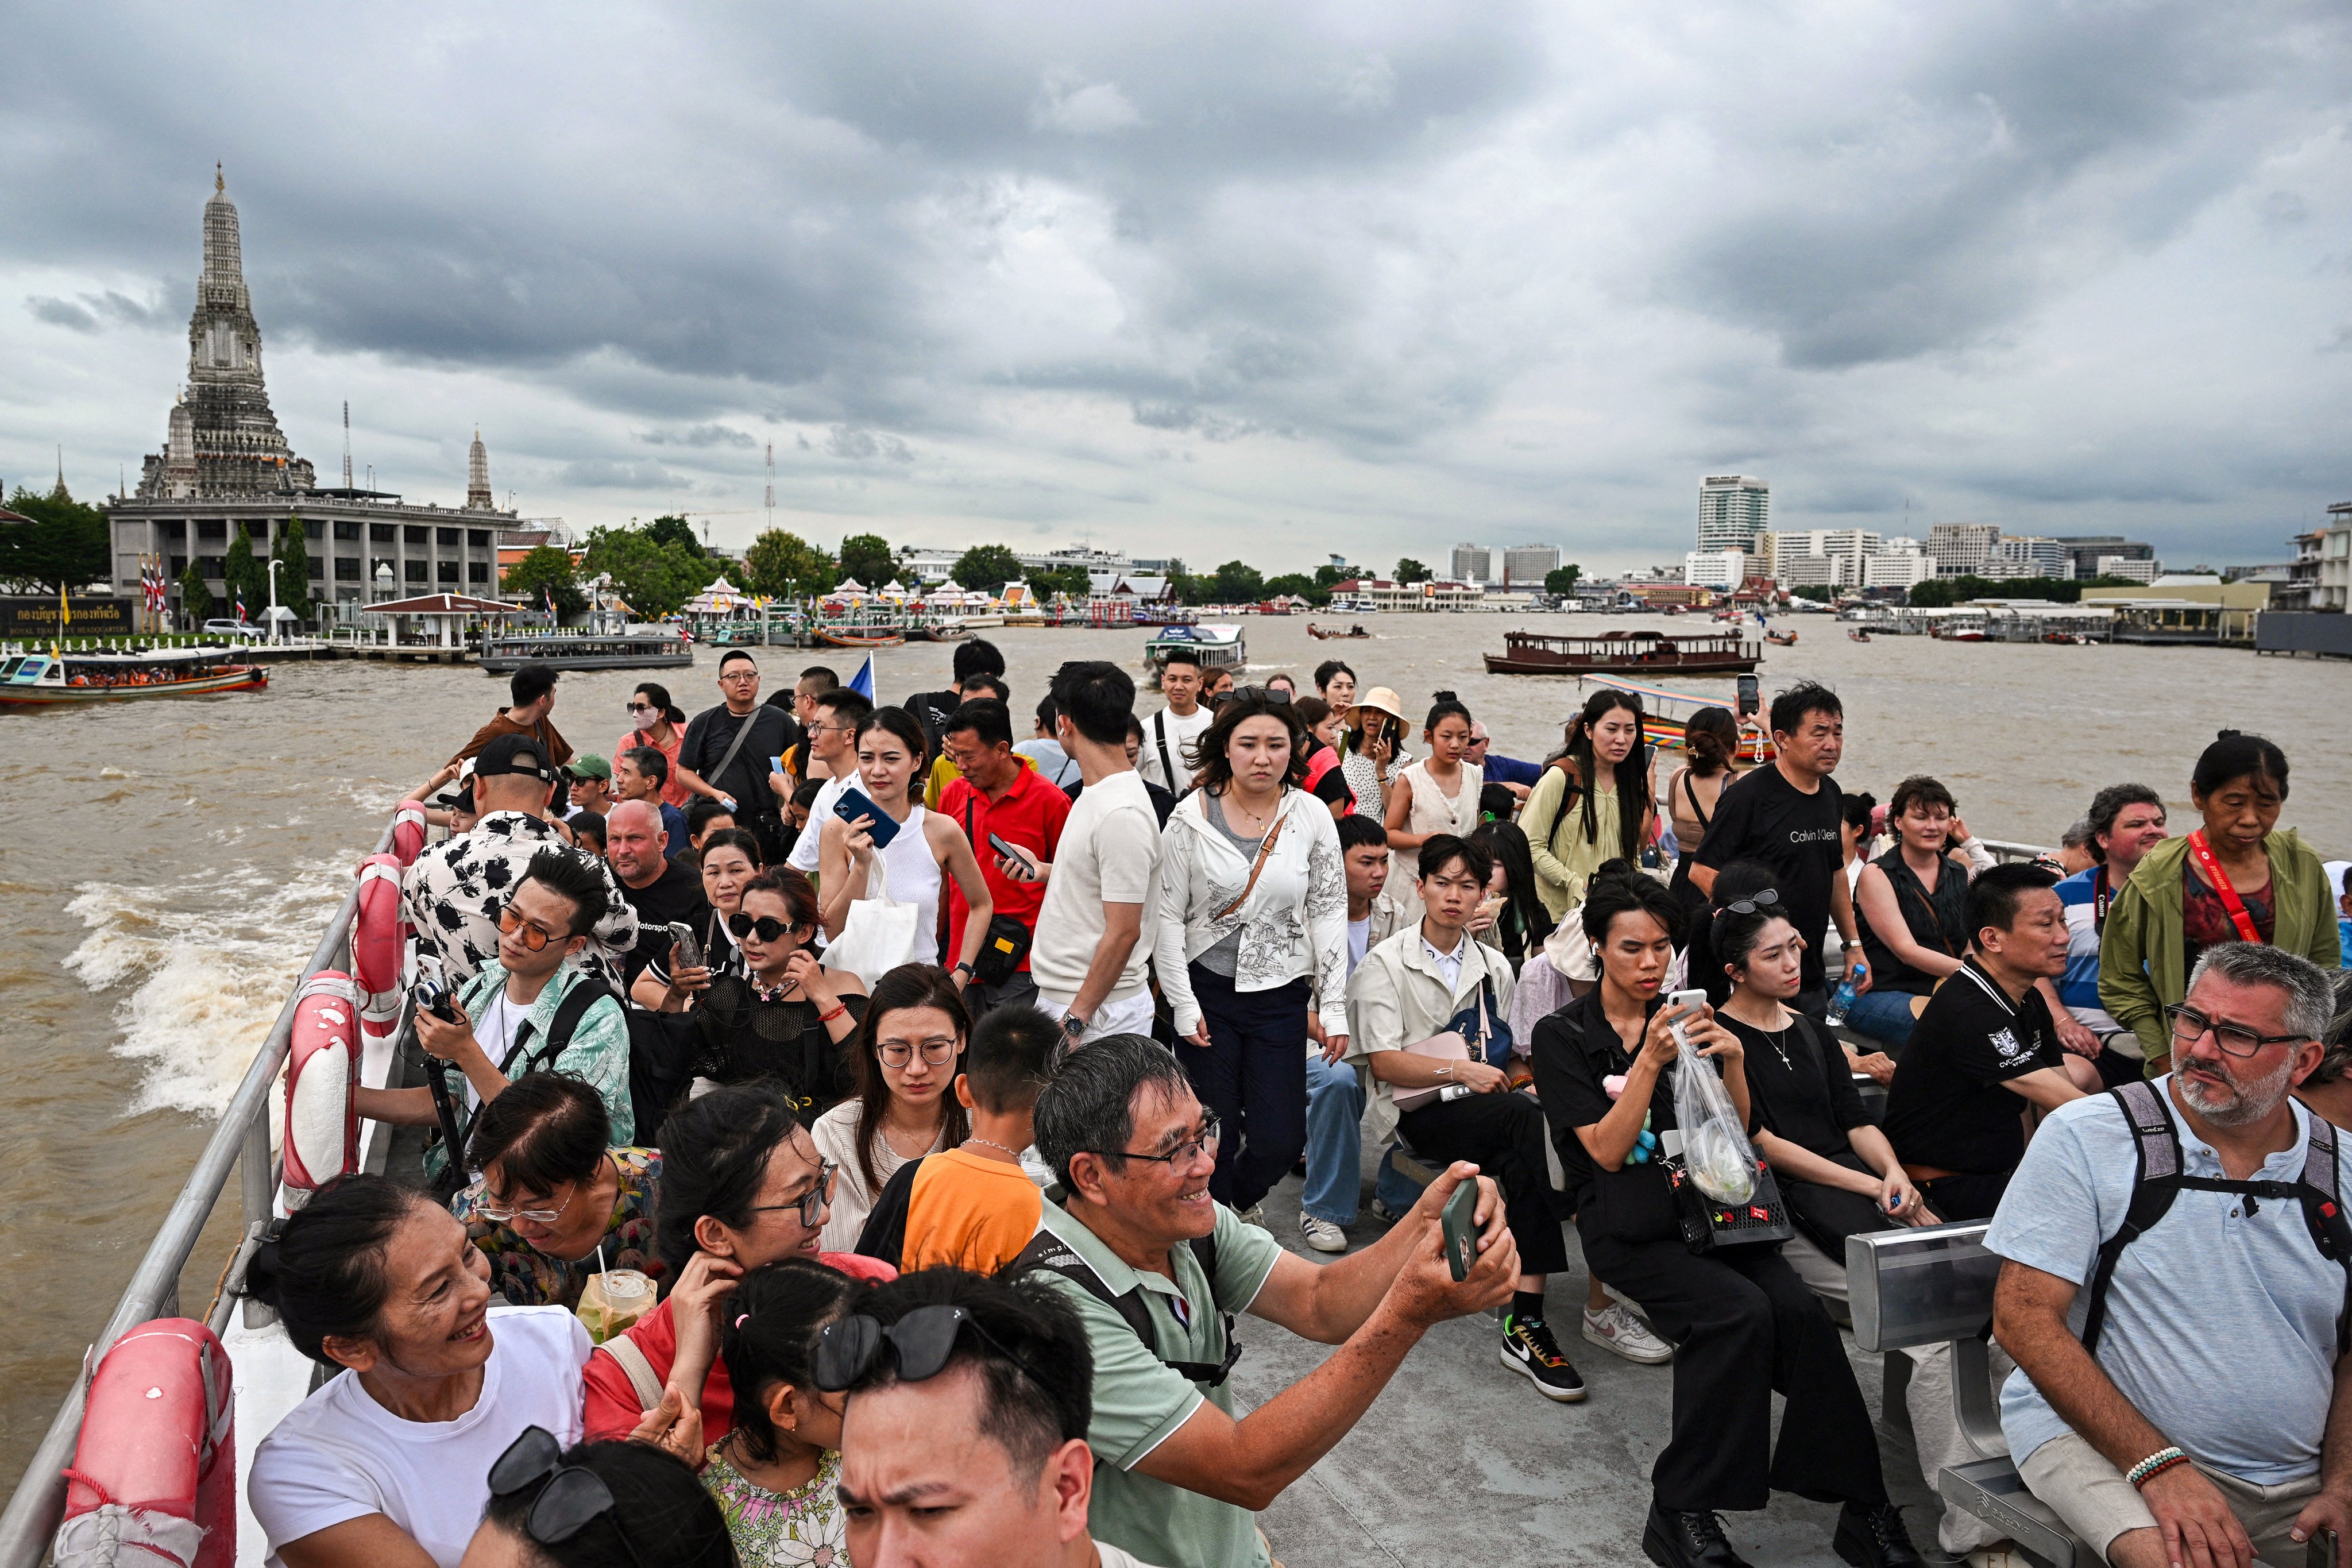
pixel 1767 901
pixel 769 927
pixel 640 707
pixel 1185 1154
pixel 938 1050
pixel 741 675
pixel 496 1212
pixel 920 1343
pixel 535 936
pixel 2189 1027
pixel 811 1202
pixel 1252 694
pixel 574 1496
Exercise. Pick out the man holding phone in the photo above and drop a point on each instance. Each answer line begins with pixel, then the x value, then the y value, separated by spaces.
pixel 1014 819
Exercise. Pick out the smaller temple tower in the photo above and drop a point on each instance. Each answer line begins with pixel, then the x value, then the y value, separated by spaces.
pixel 477 475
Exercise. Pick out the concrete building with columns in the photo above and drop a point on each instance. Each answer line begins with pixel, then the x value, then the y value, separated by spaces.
pixel 225 461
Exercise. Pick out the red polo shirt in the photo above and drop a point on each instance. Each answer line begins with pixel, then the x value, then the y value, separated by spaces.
pixel 1030 815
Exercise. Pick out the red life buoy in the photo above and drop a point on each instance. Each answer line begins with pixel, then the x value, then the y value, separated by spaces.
pixel 322 1070
pixel 408 831
pixel 154 1473
pixel 377 940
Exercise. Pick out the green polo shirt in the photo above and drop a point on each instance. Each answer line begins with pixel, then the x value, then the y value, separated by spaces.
pixel 1140 1399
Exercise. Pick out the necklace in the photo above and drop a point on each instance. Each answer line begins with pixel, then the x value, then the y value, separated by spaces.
pixel 1778 1044
pixel 992 1143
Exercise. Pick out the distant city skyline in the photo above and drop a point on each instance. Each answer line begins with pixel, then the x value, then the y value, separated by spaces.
pixel 1277 283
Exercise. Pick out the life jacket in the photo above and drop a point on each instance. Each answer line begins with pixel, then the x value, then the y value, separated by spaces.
pixel 1319 766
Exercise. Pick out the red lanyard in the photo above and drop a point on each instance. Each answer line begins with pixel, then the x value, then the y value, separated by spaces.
pixel 2220 880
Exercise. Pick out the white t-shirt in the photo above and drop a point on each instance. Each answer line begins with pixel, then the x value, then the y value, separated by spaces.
pixel 1112 1557
pixel 1360 941
pixel 341 1456
pixel 1109 855
pixel 803 858
pixel 1181 732
pixel 495 1031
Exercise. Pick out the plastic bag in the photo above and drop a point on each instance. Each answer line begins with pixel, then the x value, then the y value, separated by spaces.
pixel 613 1301
pixel 1715 1145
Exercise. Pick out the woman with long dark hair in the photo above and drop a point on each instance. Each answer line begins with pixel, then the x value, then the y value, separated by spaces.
pixel 781 1013
pixel 1745 1325
pixel 729 860
pixel 1438 793
pixel 1252 913
pixel 657 722
pixel 1912 905
pixel 1522 924
pixel 906 1057
pixel 1592 804
pixel 1711 737
pixel 926 847
pixel 2238 877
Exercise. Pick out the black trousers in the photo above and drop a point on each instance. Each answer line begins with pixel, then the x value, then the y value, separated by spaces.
pixel 1504 1134
pixel 1965 1197
pixel 1826 1216
pixel 1254 1077
pixel 1745 1326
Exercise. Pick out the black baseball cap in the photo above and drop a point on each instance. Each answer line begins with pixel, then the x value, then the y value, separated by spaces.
pixel 516 755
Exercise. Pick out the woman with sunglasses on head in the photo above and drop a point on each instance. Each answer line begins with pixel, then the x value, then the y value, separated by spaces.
pixel 1251 914
pixel 927 847
pixel 774 1475
pixel 743 1185
pixel 785 1014
pixel 655 721
pixel 728 860
pixel 905 1062
pixel 387 1463
pixel 555 1203
pixel 596 1505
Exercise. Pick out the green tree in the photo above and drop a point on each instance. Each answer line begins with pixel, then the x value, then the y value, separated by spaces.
pixel 987 567
pixel 1238 583
pixel 655 577
pixel 66 543
pixel 195 599
pixel 294 570
pixel 672 529
pixel 786 566
pixel 1328 575
pixel 1071 580
pixel 546 573
pixel 867 558
pixel 1410 570
pixel 242 572
pixel 1561 580
pixel 1819 593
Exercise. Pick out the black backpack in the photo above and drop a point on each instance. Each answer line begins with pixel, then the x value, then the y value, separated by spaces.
pixel 1046 1250
pixel 2159 1178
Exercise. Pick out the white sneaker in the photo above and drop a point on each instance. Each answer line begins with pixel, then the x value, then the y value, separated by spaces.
pixel 1322 1235
pixel 1384 1214
pixel 1619 1331
pixel 2001 1554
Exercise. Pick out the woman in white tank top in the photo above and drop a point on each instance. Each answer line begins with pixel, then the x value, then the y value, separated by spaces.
pixel 1437 794
pixel 927 848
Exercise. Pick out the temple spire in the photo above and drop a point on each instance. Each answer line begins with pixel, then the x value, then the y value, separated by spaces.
pixel 477 475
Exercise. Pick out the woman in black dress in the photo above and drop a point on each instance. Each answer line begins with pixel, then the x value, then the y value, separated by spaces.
pixel 786 1015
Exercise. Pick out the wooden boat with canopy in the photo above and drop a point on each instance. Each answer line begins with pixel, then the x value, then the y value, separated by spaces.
pixel 1624 653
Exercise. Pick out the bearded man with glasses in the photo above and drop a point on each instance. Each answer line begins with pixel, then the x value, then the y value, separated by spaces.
pixel 1156 1269
pixel 2196 1407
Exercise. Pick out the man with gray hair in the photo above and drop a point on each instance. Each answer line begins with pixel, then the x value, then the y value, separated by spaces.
pixel 2176 1290
pixel 1157 1269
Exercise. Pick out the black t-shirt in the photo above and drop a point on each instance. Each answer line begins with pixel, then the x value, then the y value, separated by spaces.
pixel 674 895
pixel 713 730
pixel 1804 1092
pixel 930 709
pixel 1762 817
pixel 782 701
pixel 1947 1108
pixel 1332 787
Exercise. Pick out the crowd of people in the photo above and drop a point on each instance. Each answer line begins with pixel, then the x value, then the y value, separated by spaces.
pixel 848 1128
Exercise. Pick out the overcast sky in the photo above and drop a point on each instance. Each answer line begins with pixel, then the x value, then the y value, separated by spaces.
pixel 1222 280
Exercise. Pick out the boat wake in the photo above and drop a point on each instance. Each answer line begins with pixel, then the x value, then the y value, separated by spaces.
pixel 199 969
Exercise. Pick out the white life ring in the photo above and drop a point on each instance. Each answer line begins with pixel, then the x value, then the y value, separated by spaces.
pixel 323 1072
pixel 408 832
pixel 377 940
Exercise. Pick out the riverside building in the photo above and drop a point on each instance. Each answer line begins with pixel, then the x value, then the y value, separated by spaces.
pixel 1733 509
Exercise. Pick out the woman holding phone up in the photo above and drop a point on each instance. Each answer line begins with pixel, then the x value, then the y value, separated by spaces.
pixel 921 846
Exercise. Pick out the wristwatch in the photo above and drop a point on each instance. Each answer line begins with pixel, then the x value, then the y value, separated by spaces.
pixel 963 969
pixel 1073 1026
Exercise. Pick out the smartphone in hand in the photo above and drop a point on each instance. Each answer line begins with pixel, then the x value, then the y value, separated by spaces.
pixel 852 803
pixel 1458 1222
pixel 1682 1003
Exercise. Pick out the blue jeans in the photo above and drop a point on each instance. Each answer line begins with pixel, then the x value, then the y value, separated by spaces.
pixel 1884 1015
pixel 1335 1149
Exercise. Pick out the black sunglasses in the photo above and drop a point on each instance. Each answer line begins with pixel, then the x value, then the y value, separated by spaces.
pixel 769 927
pixel 573 1500
pixel 1252 694
pixel 920 1343
pixel 1767 902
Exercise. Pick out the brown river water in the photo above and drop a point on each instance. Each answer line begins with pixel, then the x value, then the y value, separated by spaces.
pixel 166 866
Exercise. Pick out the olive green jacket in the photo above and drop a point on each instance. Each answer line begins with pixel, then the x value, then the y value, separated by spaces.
pixel 2143 951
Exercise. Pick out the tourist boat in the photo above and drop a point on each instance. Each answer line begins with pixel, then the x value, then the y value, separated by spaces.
pixel 45 680
pixel 1219 647
pixel 1663 712
pixel 844 634
pixel 1622 653
pixel 1781 639
pixel 1322 636
pixel 937 631
pixel 1857 636
pixel 638 647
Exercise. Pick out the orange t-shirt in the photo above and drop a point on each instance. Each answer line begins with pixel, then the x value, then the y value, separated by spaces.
pixel 957 1208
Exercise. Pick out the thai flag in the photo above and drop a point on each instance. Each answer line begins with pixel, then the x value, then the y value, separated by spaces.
pixel 240 607
pixel 548 591
pixel 863 681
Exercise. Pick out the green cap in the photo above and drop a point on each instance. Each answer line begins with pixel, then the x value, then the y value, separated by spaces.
pixel 591 767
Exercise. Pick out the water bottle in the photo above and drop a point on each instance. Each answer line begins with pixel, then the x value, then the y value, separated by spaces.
pixel 1839 1000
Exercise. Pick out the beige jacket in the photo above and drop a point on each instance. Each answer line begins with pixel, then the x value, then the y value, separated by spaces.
pixel 1397 998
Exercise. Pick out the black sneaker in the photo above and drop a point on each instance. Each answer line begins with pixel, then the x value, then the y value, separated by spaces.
pixel 1528 1347
pixel 1874 1537
pixel 1675 1539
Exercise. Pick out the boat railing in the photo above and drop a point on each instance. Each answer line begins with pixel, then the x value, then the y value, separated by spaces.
pixel 240 1143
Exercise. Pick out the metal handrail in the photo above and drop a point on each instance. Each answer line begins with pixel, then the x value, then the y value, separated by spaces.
pixel 39 1503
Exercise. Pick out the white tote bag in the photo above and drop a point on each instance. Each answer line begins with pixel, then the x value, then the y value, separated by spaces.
pixel 878 936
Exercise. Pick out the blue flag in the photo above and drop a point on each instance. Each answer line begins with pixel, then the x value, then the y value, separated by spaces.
pixel 863 681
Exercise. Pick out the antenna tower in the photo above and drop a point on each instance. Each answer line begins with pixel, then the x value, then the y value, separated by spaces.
pixel 346 443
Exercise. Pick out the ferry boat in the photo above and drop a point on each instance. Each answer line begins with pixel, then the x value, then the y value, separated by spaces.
pixel 638 646
pixel 1219 647
pixel 46 680
pixel 1624 653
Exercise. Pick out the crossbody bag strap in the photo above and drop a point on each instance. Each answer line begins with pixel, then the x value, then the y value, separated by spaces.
pixel 1256 867
pixel 1690 794
pixel 2219 881
pixel 742 734
pixel 643 1382
pixel 1911 886
pixel 1160 735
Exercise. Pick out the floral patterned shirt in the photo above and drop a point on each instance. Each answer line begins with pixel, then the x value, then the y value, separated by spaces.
pixel 805 1528
pixel 455 891
pixel 529 1278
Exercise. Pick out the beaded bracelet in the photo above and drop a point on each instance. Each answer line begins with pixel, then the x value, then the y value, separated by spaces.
pixel 838 1009
pixel 2155 1465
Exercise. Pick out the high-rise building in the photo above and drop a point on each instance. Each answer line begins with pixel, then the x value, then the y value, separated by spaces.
pixel 1526 565
pixel 1472 564
pixel 1733 509
pixel 1724 569
pixel 2089 549
pixel 1963 549
pixel 2028 556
